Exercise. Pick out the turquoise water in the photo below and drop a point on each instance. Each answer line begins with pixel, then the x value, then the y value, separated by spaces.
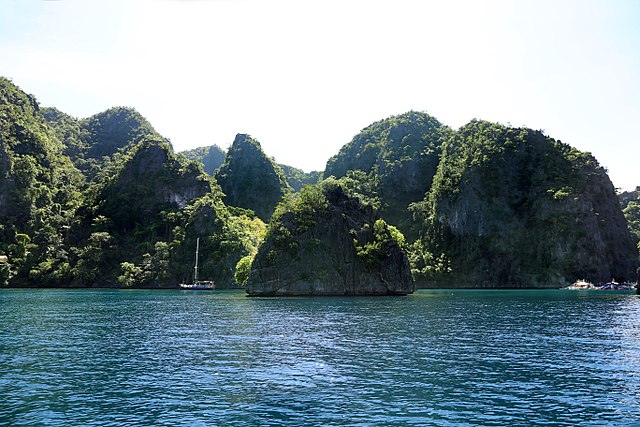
pixel 441 358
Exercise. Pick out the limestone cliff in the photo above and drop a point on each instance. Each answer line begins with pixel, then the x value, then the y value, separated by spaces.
pixel 115 128
pixel 297 178
pixel 630 202
pixel 131 213
pixel 251 180
pixel 323 242
pixel 511 207
pixel 225 238
pixel 400 155
pixel 150 180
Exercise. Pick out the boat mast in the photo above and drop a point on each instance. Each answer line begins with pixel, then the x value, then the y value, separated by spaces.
pixel 195 269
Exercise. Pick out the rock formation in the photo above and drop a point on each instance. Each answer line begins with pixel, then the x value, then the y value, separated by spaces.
pixel 89 141
pixel 251 180
pixel 150 180
pixel 511 207
pixel 323 242
pixel 401 155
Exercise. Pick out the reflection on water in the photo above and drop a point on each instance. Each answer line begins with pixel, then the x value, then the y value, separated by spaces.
pixel 441 358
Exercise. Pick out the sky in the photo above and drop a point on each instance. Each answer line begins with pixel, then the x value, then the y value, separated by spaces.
pixel 304 76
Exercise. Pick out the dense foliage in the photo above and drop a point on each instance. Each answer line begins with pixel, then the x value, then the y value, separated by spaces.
pixel 300 211
pixel 396 159
pixel 512 207
pixel 631 209
pixel 324 241
pixel 143 219
pixel 297 178
pixel 38 190
pixel 105 201
pixel 134 225
pixel 115 128
pixel 93 141
pixel 211 157
pixel 251 180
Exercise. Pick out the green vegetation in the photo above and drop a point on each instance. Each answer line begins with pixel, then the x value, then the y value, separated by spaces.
pixel 38 191
pixel 373 251
pixel 300 208
pixel 297 178
pixel 243 268
pixel 211 157
pixel 92 142
pixel 513 207
pixel 135 223
pixel 250 179
pixel 149 210
pixel 105 201
pixel 299 212
pixel 115 128
pixel 395 160
pixel 631 209
pixel 323 241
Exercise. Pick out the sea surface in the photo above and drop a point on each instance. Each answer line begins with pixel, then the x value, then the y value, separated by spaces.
pixel 435 358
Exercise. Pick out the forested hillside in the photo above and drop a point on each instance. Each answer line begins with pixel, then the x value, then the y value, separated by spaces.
pixel 39 190
pixel 631 209
pixel 105 201
pixel 92 141
pixel 394 160
pixel 134 224
pixel 211 157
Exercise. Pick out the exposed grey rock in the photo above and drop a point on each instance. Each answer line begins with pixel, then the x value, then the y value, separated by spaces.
pixel 315 252
pixel 251 180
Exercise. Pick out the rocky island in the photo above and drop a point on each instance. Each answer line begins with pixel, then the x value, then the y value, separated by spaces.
pixel 324 242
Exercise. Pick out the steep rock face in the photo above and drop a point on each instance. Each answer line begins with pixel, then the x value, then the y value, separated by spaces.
pixel 631 209
pixel 323 242
pixel 627 197
pixel 401 153
pixel 137 202
pixel 514 208
pixel 249 179
pixel 211 157
pixel 150 180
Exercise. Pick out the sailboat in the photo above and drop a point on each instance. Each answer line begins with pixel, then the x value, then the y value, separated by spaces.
pixel 198 285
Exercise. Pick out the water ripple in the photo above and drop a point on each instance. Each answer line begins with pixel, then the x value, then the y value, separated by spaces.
pixel 109 358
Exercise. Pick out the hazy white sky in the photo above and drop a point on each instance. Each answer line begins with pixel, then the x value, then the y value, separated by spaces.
pixel 304 76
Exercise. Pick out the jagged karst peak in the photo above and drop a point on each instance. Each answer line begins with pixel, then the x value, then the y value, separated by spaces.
pixel 251 180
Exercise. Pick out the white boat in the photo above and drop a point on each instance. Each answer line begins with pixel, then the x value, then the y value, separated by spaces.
pixel 198 285
pixel 581 285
